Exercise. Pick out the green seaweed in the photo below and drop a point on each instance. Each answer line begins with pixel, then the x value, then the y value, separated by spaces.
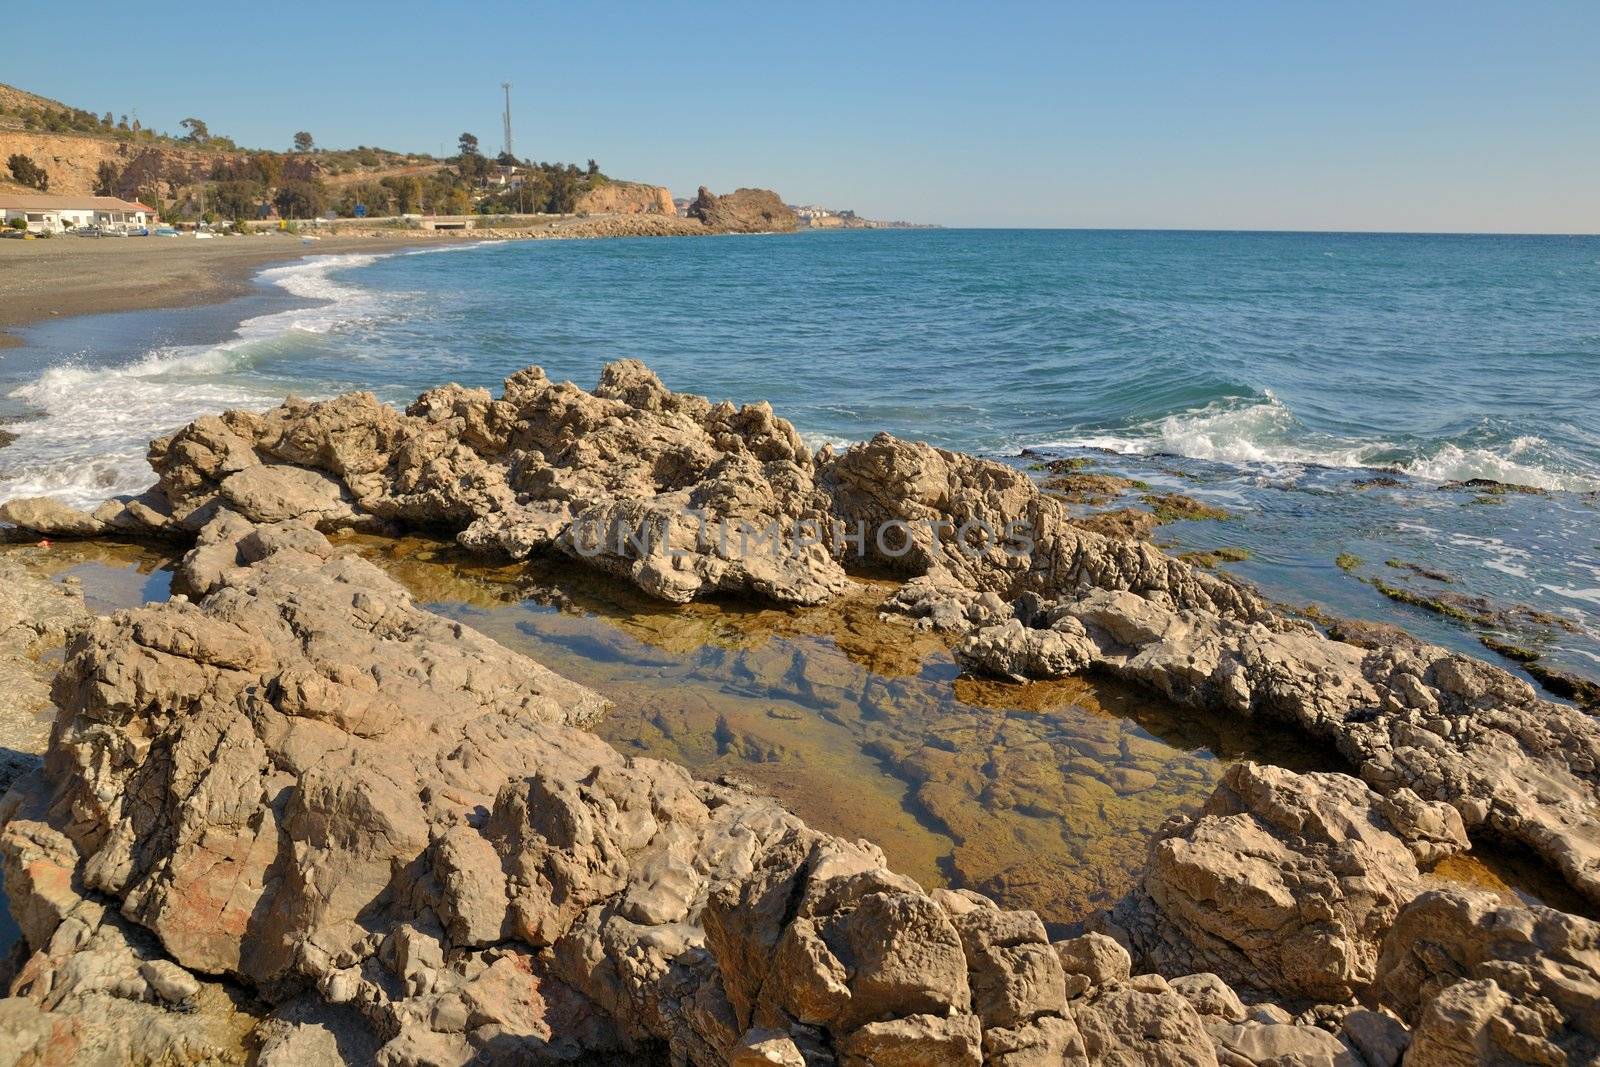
pixel 1420 571
pixel 1422 600
pixel 1508 650
pixel 1215 556
pixel 1175 507
pixel 1347 561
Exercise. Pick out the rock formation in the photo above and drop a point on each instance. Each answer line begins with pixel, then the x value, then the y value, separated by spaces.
pixel 35 616
pixel 1285 882
pixel 626 198
pixel 1486 983
pixel 686 498
pixel 395 833
pixel 743 211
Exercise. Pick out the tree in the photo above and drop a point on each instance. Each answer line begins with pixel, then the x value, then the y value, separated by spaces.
pixel 122 123
pixel 238 199
pixel 105 120
pixel 303 142
pixel 474 167
pixel 300 200
pixel 198 134
pixel 28 173
pixel 105 178
pixel 407 193
pixel 468 144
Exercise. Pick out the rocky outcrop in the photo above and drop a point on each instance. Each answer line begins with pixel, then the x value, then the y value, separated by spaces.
pixel 685 498
pixel 1484 983
pixel 625 198
pixel 36 614
pixel 1285 882
pixel 396 834
pixel 743 211
pixel 73 162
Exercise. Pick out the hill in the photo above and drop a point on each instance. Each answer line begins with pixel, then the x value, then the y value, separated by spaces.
pixel 205 175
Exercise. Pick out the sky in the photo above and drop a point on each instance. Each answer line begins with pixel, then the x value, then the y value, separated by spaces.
pixel 1209 114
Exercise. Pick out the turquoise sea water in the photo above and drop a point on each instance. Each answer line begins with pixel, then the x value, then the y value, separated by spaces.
pixel 1270 374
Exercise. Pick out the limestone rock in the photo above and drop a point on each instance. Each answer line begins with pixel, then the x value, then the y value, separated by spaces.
pixel 50 518
pixel 397 834
pixel 686 498
pixel 1381 1038
pixel 743 211
pixel 1126 1026
pixel 35 616
pixel 1484 982
pixel 1284 882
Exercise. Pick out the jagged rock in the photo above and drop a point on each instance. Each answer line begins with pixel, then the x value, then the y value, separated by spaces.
pixel 1211 997
pixel 1149 1025
pixel 607 478
pixel 95 989
pixel 743 211
pixel 1381 1038
pixel 44 515
pixel 1284 882
pixel 35 617
pixel 397 834
pixel 1093 960
pixel 1252 1044
pixel 1483 982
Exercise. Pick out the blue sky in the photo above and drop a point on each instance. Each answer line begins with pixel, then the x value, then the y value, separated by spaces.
pixel 1210 114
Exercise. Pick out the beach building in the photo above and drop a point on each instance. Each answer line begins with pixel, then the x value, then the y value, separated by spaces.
pixel 56 214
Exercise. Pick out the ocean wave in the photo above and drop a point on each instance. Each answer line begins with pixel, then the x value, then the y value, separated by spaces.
pixel 95 422
pixel 1237 430
pixel 1263 430
pixel 1452 463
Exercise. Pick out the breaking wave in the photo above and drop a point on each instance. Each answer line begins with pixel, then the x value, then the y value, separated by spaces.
pixel 1263 430
pixel 93 423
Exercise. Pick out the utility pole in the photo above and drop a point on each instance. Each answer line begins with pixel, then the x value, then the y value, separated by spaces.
pixel 507 87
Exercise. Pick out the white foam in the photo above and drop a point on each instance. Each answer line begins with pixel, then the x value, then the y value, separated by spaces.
pixel 97 421
pixel 1452 463
pixel 1263 430
pixel 1591 595
pixel 1241 431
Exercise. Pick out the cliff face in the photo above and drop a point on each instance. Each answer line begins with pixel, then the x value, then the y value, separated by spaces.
pixel 626 198
pixel 743 211
pixel 72 161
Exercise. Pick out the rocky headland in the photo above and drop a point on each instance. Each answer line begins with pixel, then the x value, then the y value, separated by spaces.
pixel 743 211
pixel 291 816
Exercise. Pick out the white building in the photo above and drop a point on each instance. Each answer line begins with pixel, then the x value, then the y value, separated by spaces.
pixel 55 214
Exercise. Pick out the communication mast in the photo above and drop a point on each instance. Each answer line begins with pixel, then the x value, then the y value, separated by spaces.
pixel 507 117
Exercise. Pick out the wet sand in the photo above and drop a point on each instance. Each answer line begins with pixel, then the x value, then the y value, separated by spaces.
pixel 81 276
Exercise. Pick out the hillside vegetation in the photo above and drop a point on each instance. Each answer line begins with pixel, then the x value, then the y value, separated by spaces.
pixel 199 174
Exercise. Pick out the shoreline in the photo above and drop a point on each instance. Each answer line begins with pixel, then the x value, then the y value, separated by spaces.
pixel 68 277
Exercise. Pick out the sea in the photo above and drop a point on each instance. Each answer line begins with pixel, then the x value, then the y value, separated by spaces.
pixel 1386 427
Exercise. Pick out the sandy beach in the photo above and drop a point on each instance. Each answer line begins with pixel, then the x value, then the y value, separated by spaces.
pixel 77 276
